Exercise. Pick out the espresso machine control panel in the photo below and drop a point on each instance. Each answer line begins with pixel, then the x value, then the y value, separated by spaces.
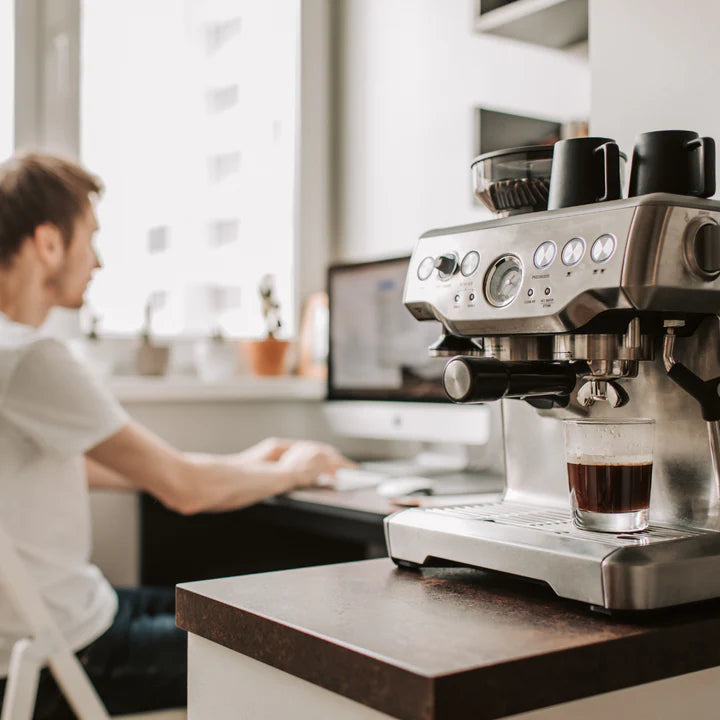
pixel 557 273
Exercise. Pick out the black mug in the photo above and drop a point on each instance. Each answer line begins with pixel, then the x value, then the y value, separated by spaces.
pixel 585 170
pixel 673 161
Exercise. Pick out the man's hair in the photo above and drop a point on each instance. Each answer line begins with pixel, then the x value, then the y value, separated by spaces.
pixel 38 188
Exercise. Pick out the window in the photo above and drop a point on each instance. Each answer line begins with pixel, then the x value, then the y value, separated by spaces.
pixel 7 80
pixel 189 115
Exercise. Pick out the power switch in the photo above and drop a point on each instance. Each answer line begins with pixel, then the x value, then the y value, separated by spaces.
pixel 702 249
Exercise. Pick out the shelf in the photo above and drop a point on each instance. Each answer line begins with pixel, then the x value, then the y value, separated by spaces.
pixel 137 389
pixel 552 23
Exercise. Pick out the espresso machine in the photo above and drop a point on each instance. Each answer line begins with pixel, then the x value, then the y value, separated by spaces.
pixel 608 308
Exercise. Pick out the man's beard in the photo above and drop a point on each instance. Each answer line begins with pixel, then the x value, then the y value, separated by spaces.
pixel 66 298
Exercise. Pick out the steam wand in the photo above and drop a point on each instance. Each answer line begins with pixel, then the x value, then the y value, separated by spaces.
pixel 706 392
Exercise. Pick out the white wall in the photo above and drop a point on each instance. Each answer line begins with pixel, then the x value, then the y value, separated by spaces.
pixel 653 65
pixel 411 73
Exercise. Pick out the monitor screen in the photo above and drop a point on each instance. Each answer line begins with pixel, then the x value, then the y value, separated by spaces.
pixel 378 350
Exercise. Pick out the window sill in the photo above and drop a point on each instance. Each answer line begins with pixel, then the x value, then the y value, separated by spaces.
pixel 138 389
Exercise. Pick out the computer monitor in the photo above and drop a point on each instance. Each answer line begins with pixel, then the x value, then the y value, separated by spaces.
pixel 381 381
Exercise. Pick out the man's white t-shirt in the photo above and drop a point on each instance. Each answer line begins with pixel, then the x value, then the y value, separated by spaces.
pixel 52 410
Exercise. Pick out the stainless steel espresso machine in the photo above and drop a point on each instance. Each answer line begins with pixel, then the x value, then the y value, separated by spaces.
pixel 605 309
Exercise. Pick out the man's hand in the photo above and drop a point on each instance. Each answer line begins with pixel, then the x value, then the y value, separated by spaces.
pixel 266 450
pixel 303 460
pixel 306 461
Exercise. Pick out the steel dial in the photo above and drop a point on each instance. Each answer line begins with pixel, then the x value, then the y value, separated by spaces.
pixel 504 280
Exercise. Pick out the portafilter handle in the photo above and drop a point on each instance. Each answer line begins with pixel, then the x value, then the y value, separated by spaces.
pixel 476 380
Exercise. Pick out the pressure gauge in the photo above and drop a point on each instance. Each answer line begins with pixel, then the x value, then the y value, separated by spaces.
pixel 503 281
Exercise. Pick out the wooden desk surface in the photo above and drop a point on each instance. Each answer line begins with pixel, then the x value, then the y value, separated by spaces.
pixel 444 643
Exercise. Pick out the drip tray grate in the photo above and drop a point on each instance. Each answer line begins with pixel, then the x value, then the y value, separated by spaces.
pixel 559 522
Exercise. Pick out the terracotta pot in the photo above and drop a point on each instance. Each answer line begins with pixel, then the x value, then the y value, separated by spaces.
pixel 268 356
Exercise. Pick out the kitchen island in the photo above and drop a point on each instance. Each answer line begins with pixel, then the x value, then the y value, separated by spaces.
pixel 366 640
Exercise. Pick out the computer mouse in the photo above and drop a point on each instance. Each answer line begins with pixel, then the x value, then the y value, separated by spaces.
pixel 399 486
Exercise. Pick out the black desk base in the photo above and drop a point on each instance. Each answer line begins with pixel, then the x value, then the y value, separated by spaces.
pixel 276 535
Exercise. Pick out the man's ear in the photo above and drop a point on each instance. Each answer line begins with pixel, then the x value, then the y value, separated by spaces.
pixel 49 245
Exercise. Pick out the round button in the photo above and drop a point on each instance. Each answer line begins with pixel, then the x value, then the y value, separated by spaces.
pixel 425 268
pixel 547 291
pixel 470 263
pixel 544 255
pixel 457 298
pixel 573 252
pixel 471 297
pixel 531 292
pixel 603 248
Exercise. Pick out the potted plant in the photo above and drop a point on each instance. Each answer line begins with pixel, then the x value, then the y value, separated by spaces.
pixel 150 358
pixel 268 356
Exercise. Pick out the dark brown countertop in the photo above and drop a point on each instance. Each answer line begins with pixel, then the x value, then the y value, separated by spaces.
pixel 445 643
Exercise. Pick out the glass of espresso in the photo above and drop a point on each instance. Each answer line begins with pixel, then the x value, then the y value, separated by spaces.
pixel 609 465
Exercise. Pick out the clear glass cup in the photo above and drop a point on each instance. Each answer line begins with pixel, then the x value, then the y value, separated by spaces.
pixel 609 465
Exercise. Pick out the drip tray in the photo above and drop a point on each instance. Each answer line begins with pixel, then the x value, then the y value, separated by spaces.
pixel 655 568
pixel 559 522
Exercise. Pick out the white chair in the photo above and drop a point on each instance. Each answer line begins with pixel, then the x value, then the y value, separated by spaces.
pixel 47 646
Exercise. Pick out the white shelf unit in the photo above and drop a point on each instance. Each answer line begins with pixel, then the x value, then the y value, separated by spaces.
pixel 552 23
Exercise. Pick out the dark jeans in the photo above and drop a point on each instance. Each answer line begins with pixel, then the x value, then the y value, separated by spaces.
pixel 138 665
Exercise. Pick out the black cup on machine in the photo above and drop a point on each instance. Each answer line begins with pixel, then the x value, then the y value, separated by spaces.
pixel 673 161
pixel 585 170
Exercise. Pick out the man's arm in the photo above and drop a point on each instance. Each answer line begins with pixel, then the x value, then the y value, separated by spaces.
pixel 100 476
pixel 191 483
pixel 270 449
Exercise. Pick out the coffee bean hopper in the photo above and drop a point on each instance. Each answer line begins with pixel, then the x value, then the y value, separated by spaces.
pixel 514 181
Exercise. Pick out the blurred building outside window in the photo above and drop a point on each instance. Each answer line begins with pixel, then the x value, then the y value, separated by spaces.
pixel 189 115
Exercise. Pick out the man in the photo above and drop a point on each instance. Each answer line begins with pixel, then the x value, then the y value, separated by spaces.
pixel 60 430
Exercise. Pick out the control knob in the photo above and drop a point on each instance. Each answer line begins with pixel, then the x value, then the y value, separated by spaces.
pixel 446 265
pixel 702 248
